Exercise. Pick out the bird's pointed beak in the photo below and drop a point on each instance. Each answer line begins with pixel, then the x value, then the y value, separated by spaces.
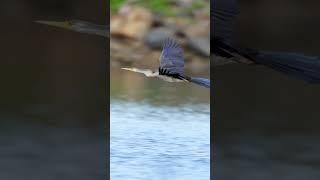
pixel 129 69
pixel 60 24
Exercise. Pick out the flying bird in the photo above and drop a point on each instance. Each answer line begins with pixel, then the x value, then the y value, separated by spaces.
pixel 171 66
pixel 171 59
pixel 222 16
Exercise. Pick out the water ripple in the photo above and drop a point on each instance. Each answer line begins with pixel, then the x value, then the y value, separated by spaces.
pixel 159 142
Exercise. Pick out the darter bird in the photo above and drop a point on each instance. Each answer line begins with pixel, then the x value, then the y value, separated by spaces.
pixel 222 15
pixel 171 66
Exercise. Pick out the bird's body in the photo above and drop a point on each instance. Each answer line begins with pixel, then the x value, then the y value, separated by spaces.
pixel 170 79
pixel 171 66
pixel 156 74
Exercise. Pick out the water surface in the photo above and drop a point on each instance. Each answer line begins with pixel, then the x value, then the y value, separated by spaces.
pixel 159 130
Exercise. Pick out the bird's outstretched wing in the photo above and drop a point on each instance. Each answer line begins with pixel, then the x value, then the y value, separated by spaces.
pixel 171 59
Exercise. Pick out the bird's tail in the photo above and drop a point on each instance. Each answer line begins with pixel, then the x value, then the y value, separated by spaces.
pixel 201 81
pixel 293 64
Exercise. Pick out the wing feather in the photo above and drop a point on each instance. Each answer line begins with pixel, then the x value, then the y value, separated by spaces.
pixel 171 58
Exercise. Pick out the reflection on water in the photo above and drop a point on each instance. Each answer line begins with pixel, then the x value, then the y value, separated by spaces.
pixel 159 130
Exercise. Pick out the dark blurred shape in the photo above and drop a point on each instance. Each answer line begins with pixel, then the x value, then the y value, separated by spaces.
pixel 53 94
pixel 223 14
pixel 266 124
pixel 79 26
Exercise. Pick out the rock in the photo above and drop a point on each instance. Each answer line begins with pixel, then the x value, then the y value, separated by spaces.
pixel 197 66
pixel 155 38
pixel 157 21
pixel 182 3
pixel 129 52
pixel 200 45
pixel 131 22
pixel 200 28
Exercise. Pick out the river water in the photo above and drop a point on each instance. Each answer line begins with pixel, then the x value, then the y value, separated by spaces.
pixel 159 130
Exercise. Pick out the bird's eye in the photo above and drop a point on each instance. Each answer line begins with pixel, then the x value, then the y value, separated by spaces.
pixel 68 22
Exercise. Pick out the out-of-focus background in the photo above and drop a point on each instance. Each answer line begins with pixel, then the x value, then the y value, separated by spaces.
pixel 139 27
pixel 52 92
pixel 159 130
pixel 267 124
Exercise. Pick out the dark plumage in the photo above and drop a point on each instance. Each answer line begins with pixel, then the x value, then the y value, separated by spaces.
pixel 223 13
pixel 171 58
pixel 172 63
pixel 171 66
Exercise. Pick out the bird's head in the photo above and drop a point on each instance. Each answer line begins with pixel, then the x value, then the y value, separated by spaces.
pixel 147 72
pixel 61 24
pixel 129 69
pixel 136 70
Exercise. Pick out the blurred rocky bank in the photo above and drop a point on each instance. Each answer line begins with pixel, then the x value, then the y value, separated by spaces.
pixel 137 34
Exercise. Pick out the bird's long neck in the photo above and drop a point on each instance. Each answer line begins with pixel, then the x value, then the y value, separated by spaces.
pixel 153 74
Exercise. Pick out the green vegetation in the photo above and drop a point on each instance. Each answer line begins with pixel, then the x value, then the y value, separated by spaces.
pixel 158 6
pixel 162 7
pixel 115 4
pixel 198 5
